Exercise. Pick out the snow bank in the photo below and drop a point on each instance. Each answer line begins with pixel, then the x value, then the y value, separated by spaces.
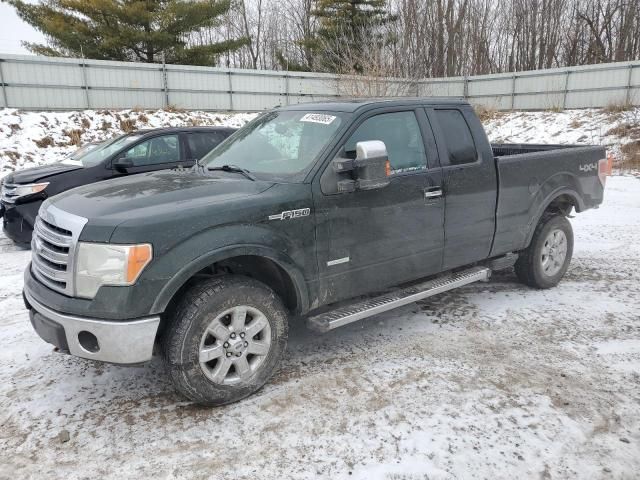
pixel 618 130
pixel 28 139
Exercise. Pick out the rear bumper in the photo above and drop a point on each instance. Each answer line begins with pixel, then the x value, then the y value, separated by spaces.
pixel 122 342
pixel 17 220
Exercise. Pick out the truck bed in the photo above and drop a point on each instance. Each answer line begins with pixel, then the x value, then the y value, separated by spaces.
pixel 531 176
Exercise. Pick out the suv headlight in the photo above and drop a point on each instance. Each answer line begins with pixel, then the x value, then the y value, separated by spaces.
pixel 99 264
pixel 29 188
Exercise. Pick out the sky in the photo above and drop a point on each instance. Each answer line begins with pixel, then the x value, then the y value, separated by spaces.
pixel 13 31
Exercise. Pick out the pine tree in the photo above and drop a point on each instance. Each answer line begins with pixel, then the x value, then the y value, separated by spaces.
pixel 347 27
pixel 139 30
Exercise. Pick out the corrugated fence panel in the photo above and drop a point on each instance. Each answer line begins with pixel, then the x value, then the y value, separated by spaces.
pixel 201 100
pixel 249 82
pixel 251 101
pixel 124 78
pixel 42 73
pixel 32 82
pixel 489 87
pixel 442 88
pixel 33 98
pixel 99 98
pixel 323 85
pixel 197 80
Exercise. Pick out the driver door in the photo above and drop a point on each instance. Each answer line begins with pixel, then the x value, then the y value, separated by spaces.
pixel 156 153
pixel 369 240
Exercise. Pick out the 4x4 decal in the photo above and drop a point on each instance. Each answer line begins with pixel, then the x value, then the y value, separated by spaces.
pixel 588 167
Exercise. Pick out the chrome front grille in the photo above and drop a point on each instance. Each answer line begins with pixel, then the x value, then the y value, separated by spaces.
pixel 8 193
pixel 53 245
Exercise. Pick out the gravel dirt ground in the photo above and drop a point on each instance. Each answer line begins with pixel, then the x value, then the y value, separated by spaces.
pixel 491 381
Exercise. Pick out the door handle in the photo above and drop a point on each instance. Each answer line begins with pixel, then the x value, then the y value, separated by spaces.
pixel 433 192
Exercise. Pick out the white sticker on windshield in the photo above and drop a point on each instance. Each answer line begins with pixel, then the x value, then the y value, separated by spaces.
pixel 318 118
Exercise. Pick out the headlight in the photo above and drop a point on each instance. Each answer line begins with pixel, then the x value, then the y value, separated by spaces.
pixel 28 189
pixel 100 264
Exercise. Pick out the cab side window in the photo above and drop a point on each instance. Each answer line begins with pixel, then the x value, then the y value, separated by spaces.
pixel 457 137
pixel 400 132
pixel 157 150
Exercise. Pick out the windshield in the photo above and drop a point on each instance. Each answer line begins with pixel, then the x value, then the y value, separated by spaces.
pixel 278 144
pixel 74 157
pixel 104 150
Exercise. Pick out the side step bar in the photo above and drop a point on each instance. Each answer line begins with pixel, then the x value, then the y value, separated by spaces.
pixel 397 298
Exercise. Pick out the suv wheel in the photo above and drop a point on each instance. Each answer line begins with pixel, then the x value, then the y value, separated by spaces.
pixel 225 339
pixel 545 261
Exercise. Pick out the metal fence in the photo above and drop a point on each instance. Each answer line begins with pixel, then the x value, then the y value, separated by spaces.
pixel 45 83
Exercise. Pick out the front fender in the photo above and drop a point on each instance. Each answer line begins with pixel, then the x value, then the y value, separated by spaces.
pixel 206 259
pixel 288 244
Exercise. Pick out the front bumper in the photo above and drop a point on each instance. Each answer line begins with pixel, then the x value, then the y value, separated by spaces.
pixel 122 342
pixel 18 220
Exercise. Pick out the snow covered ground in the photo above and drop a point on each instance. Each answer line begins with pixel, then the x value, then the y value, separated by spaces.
pixel 493 381
pixel 618 130
pixel 29 139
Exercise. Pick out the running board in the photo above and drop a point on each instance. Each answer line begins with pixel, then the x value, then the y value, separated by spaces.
pixel 397 298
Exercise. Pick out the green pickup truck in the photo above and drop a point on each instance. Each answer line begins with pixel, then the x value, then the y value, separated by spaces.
pixel 326 213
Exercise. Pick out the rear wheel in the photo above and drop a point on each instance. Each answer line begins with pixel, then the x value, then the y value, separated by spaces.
pixel 225 339
pixel 546 260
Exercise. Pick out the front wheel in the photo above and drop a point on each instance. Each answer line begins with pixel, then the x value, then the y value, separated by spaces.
pixel 225 339
pixel 546 260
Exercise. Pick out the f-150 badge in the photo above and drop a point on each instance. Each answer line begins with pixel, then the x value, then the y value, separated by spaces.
pixel 290 214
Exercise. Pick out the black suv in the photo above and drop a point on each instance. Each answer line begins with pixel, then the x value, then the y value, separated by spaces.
pixel 142 151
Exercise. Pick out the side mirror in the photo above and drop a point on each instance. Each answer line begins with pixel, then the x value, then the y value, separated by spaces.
pixel 122 164
pixel 369 170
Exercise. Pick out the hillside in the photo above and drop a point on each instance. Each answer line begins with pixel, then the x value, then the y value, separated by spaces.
pixel 34 138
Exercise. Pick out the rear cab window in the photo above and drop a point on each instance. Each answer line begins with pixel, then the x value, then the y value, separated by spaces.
pixel 461 147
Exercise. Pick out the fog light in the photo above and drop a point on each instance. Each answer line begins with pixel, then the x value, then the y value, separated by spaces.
pixel 88 341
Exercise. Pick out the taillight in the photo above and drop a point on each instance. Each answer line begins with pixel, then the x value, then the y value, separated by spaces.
pixel 604 168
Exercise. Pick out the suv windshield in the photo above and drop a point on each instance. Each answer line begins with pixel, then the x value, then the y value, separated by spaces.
pixel 278 144
pixel 106 149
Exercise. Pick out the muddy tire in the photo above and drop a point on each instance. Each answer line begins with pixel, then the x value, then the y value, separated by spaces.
pixel 224 340
pixel 545 261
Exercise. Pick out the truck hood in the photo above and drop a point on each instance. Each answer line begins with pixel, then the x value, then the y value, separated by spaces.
pixel 140 196
pixel 35 174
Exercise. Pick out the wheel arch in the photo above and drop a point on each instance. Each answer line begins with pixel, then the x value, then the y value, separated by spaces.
pixel 275 269
pixel 559 202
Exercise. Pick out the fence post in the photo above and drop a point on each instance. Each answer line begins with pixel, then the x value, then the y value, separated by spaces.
pixel 566 89
pixel 465 88
pixel 230 91
pixel 628 96
pixel 165 86
pixel 286 88
pixel 85 82
pixel 513 90
pixel 4 88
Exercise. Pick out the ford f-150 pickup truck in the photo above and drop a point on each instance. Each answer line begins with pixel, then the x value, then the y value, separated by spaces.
pixel 330 212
